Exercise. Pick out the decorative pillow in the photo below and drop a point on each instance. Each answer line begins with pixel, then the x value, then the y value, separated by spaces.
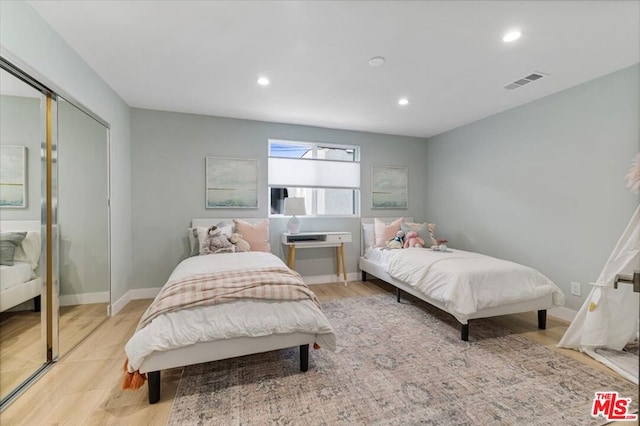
pixel 29 250
pixel 384 232
pixel 368 235
pixel 9 241
pixel 424 230
pixel 257 235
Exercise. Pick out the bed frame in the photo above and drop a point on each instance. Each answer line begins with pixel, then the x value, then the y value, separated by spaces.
pixel 540 304
pixel 31 289
pixel 220 349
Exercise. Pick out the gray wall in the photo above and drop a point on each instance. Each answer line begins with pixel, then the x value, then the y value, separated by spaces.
pixel 542 184
pixel 31 43
pixel 20 118
pixel 168 178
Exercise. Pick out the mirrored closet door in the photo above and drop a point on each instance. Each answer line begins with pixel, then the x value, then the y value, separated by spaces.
pixel 22 338
pixel 54 219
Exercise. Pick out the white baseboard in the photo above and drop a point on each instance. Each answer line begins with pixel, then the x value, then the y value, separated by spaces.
pixel 84 298
pixel 136 293
pixel 562 313
pixel 324 279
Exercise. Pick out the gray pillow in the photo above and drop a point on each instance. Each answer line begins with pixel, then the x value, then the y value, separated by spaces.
pixel 422 229
pixel 9 242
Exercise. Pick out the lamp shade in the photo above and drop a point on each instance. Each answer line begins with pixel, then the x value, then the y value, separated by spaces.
pixel 294 206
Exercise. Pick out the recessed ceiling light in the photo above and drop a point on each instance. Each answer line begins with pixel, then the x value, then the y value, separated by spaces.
pixel 376 61
pixel 263 81
pixel 511 36
pixel 403 101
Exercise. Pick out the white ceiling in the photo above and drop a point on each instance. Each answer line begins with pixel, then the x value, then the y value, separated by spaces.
pixel 446 57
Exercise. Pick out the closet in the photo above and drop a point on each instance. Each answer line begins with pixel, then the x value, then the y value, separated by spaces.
pixel 54 226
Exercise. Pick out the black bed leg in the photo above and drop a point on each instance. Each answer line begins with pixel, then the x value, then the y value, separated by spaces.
pixel 153 378
pixel 364 276
pixel 542 319
pixel 304 357
pixel 36 303
pixel 464 332
pixel 398 293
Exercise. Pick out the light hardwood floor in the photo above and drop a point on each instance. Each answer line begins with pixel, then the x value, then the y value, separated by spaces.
pixel 83 388
pixel 21 344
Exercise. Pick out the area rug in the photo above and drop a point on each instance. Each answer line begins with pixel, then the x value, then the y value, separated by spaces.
pixel 398 364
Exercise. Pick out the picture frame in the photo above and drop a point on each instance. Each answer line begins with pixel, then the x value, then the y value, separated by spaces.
pixel 231 183
pixel 13 177
pixel 389 187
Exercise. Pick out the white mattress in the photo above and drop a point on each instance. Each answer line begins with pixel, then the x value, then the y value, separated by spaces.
pixel 11 276
pixel 244 318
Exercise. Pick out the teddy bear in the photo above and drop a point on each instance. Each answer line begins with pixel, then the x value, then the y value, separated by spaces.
pixel 239 242
pixel 396 242
pixel 217 242
pixel 412 239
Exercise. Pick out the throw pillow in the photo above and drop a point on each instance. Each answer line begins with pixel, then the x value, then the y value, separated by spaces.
pixel 384 232
pixel 257 235
pixel 9 241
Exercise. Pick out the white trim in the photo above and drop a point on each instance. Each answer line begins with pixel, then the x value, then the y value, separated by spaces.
pixel 84 298
pixel 134 294
pixel 324 279
pixel 562 313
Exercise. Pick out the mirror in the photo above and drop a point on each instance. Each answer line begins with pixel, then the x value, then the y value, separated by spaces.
pixel 83 219
pixel 22 345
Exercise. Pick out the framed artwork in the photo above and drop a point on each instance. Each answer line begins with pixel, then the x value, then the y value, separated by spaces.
pixel 389 187
pixel 231 183
pixel 13 176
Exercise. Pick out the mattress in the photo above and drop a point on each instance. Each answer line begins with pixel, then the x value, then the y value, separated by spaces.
pixel 11 276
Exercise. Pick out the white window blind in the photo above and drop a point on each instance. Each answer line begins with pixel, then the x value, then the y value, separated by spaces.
pixel 313 173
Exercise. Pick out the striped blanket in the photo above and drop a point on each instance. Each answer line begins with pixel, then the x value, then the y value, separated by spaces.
pixel 275 283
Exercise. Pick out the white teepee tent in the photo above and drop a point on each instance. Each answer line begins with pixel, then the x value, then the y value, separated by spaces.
pixel 609 317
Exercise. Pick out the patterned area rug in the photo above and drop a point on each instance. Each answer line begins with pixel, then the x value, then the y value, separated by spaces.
pixel 398 364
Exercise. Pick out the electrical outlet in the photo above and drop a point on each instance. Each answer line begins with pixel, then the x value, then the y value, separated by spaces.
pixel 575 289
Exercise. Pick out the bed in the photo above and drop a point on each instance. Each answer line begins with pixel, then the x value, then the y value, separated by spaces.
pixel 205 333
pixel 464 284
pixel 20 282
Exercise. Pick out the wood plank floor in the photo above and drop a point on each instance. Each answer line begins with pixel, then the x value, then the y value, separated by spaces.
pixel 83 388
pixel 21 341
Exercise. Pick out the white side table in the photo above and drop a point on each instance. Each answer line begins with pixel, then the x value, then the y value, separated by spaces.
pixel 304 240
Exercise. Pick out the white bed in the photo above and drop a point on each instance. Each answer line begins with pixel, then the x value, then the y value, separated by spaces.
pixel 237 328
pixel 19 283
pixel 466 285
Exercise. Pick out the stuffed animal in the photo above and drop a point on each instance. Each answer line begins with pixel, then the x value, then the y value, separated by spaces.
pixel 412 239
pixel 396 242
pixel 239 242
pixel 217 242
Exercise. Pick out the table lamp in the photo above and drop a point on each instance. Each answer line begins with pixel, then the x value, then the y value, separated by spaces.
pixel 294 206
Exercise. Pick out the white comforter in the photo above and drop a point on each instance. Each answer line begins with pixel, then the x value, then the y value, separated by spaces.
pixel 243 318
pixel 466 282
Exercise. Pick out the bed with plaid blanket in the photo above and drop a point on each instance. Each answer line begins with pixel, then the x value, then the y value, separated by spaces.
pixel 221 297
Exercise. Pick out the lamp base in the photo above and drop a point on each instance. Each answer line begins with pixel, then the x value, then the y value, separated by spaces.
pixel 293 226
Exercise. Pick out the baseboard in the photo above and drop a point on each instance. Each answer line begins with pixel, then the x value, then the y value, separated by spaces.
pixel 134 294
pixel 84 298
pixel 324 279
pixel 562 313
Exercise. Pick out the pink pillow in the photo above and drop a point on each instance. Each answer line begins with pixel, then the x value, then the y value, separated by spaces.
pixel 384 232
pixel 257 235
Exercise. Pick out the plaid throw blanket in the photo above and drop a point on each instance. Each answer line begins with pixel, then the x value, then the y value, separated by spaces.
pixel 275 283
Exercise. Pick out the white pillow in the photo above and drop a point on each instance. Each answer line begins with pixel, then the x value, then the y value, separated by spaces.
pixel 29 249
pixel 368 235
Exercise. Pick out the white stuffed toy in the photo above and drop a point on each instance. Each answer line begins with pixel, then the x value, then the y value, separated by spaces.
pixel 217 242
pixel 239 242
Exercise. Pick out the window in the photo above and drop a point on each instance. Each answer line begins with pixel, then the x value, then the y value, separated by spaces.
pixel 326 175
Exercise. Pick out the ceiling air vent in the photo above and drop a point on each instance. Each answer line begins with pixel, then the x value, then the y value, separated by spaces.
pixel 525 80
